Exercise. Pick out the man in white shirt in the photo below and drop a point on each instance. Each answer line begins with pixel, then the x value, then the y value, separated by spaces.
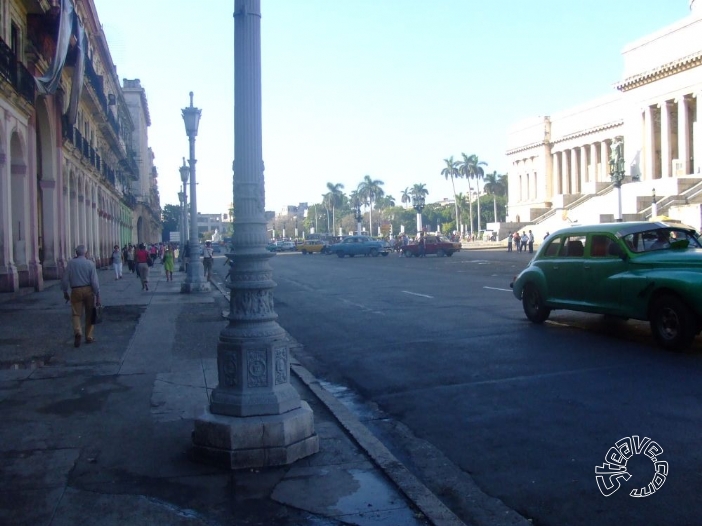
pixel 208 255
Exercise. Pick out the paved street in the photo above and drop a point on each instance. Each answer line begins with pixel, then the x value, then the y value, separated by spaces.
pixel 438 358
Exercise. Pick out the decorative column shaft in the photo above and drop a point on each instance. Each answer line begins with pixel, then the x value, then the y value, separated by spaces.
pixel 255 416
pixel 558 184
pixel 666 143
pixel 684 134
pixel 593 164
pixel 574 182
pixel 649 172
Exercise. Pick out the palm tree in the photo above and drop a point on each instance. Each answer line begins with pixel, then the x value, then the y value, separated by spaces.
pixel 494 187
pixel 335 200
pixel 370 190
pixel 385 202
pixel 406 197
pixel 471 167
pixel 450 170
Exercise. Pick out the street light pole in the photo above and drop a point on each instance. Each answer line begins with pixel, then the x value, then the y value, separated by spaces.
pixel 359 216
pixel 255 417
pixel 195 280
pixel 654 205
pixel 418 203
pixel 183 196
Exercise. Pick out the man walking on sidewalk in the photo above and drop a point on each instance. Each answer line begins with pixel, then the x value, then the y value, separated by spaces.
pixel 80 275
pixel 208 254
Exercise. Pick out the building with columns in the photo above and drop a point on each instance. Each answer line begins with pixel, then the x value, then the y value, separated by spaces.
pixel 559 164
pixel 68 161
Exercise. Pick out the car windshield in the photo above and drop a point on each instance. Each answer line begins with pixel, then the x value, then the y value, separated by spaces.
pixel 662 239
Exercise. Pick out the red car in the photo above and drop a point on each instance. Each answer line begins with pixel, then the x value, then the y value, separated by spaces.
pixel 433 244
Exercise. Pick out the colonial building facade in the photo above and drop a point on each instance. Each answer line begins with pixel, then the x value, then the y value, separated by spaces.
pixel 559 165
pixel 71 168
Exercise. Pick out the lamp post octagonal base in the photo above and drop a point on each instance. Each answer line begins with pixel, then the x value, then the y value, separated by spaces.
pixel 254 441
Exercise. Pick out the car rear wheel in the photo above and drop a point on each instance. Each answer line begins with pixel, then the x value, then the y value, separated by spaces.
pixel 385 254
pixel 672 323
pixel 374 252
pixel 449 254
pixel 440 253
pixel 533 304
pixel 340 254
pixel 304 252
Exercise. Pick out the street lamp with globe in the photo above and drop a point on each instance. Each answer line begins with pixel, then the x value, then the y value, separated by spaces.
pixel 195 280
pixel 418 203
pixel 358 215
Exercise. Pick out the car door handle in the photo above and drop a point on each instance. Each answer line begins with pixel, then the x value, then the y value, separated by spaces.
pixel 587 267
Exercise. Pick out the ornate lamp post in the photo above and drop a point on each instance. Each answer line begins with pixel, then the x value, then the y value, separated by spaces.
pixel 195 280
pixel 654 204
pixel 358 215
pixel 418 204
pixel 616 170
pixel 255 417
pixel 184 175
pixel 181 198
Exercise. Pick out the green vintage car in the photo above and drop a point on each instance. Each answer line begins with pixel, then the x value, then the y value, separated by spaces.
pixel 641 270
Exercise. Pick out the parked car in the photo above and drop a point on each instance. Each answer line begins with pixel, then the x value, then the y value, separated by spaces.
pixel 312 247
pixel 281 246
pixel 358 245
pixel 433 244
pixel 641 270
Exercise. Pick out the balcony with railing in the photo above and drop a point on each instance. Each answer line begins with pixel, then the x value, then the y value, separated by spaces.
pixel 14 72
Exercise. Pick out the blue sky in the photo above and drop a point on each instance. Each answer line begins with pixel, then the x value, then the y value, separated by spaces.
pixel 386 88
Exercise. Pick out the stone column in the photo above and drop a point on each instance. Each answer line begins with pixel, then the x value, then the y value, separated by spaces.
pixel 584 176
pixel 604 161
pixel 666 143
pixel 574 175
pixel 684 133
pixel 697 135
pixel 593 164
pixel 255 417
pixel 565 174
pixel 649 148
pixel 557 183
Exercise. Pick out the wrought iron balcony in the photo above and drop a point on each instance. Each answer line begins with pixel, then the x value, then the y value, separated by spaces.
pixel 16 74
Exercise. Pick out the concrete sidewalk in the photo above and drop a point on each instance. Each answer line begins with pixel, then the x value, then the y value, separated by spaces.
pixel 101 434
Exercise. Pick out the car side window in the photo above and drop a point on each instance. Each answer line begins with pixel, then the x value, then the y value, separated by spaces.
pixel 553 247
pixel 573 247
pixel 599 246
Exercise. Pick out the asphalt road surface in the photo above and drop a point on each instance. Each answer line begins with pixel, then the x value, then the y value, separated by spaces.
pixel 441 346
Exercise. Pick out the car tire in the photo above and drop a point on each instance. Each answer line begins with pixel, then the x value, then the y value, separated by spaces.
pixel 340 254
pixel 374 252
pixel 440 253
pixel 304 252
pixel 533 304
pixel 449 254
pixel 672 323
pixel 385 254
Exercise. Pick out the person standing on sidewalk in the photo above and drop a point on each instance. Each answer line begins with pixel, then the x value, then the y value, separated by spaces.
pixel 531 242
pixel 142 260
pixel 80 275
pixel 117 262
pixel 168 263
pixel 207 255
pixel 130 258
pixel 509 242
